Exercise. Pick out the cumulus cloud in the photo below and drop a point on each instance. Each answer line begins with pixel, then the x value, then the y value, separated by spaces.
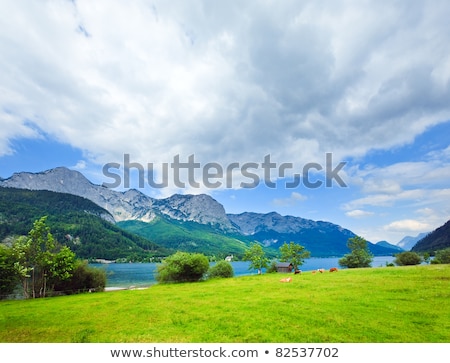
pixel 412 198
pixel 407 225
pixel 226 82
pixel 358 213
pixel 293 199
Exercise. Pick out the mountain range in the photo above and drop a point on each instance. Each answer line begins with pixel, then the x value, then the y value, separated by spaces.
pixel 408 242
pixel 436 240
pixel 194 222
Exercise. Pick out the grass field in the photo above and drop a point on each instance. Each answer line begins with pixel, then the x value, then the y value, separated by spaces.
pixel 395 304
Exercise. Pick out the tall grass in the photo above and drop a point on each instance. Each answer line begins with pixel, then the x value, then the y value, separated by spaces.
pixel 401 304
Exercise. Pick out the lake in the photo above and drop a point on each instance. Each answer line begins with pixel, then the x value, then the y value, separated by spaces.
pixel 124 275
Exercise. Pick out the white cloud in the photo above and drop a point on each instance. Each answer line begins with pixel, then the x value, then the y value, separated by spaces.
pixel 293 199
pixel 358 213
pixel 80 165
pixel 407 225
pixel 228 82
pixel 412 198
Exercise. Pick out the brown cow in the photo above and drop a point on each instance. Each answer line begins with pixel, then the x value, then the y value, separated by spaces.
pixel 297 272
pixel 333 269
pixel 321 270
pixel 287 279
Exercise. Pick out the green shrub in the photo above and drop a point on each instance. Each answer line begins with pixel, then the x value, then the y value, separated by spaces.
pixel 360 255
pixel 442 256
pixel 84 278
pixel 408 258
pixel 8 274
pixel 273 267
pixel 221 269
pixel 183 267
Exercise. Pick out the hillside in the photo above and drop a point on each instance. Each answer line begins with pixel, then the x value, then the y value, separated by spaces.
pixel 408 242
pixel 322 239
pixel 194 223
pixel 389 245
pixel 188 236
pixel 434 241
pixel 74 221
pixel 407 304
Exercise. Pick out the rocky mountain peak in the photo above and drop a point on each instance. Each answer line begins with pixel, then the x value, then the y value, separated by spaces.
pixel 250 223
pixel 200 208
pixel 128 205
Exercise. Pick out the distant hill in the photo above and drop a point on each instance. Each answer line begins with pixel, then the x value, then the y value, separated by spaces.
pixel 434 241
pixel 389 245
pixel 322 239
pixel 408 242
pixel 194 222
pixel 74 221
pixel 189 236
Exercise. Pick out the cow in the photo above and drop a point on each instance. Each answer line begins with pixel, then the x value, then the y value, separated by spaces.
pixel 333 269
pixel 287 279
pixel 296 272
pixel 321 270
pixel 313 271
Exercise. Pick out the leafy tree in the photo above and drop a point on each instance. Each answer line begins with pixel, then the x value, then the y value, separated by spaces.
pixel 183 267
pixel 407 258
pixel 359 256
pixel 38 260
pixel 8 275
pixel 442 256
pixel 221 269
pixel 294 253
pixel 272 267
pixel 257 257
pixel 84 278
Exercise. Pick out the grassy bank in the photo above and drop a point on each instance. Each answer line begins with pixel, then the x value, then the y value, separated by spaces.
pixel 401 304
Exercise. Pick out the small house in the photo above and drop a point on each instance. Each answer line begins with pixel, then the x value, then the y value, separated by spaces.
pixel 285 267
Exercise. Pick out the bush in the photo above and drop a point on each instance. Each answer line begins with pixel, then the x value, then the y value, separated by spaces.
pixel 442 256
pixel 221 269
pixel 273 267
pixel 84 278
pixel 183 267
pixel 407 259
pixel 8 275
pixel 360 255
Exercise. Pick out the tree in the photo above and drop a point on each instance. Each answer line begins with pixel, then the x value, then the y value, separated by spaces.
pixel 183 267
pixel 84 278
pixel 221 269
pixel 38 260
pixel 407 258
pixel 294 253
pixel 257 257
pixel 8 275
pixel 442 256
pixel 360 255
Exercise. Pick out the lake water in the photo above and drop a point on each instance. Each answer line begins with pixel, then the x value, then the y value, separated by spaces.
pixel 124 275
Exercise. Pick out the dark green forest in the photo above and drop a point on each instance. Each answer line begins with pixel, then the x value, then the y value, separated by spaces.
pixel 439 239
pixel 74 221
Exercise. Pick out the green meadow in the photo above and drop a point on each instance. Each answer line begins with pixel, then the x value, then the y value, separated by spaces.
pixel 389 304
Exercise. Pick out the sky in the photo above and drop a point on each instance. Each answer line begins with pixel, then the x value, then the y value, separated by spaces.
pixel 327 110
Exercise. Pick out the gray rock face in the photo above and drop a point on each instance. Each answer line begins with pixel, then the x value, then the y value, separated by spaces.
pixel 122 206
pixel 197 208
pixel 128 205
pixel 251 223
pixel 134 205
